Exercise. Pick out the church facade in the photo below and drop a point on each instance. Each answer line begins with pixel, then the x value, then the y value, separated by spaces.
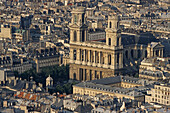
pixel 90 60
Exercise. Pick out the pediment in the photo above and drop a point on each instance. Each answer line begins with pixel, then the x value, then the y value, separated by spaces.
pixel 74 26
pixel 158 45
pixel 77 26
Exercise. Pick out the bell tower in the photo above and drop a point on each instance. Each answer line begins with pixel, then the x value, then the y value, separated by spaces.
pixel 113 33
pixel 78 27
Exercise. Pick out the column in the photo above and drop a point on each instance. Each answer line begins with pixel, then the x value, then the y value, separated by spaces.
pixel 120 60
pixel 84 74
pixel 84 55
pixel 87 74
pixel 78 56
pixel 105 60
pixel 81 51
pixel 116 61
pixel 154 53
pixel 113 61
pixel 162 53
pixel 93 74
pixel 94 53
pixel 71 55
pixel 89 58
pixel 78 36
pixel 94 57
pixel 99 58
pixel 159 53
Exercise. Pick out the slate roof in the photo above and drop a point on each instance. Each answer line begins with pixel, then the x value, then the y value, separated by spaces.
pixel 103 84
pixel 84 109
pixel 143 38
pixel 117 79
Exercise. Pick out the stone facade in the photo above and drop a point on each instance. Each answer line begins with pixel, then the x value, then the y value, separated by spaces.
pixel 159 94
pixel 87 58
pixel 91 60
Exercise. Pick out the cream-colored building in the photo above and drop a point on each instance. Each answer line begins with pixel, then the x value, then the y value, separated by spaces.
pixel 91 60
pixel 46 57
pixel 6 31
pixel 119 86
pixel 159 94
pixel 94 60
pixel 154 69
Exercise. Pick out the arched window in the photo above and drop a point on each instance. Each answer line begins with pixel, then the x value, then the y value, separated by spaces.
pixel 110 24
pixel 83 39
pixel 146 53
pixel 83 18
pixel 75 36
pixel 109 42
pixel 117 41
pixel 117 58
pixel 126 54
pixel 74 54
pixel 90 74
pixel 74 76
pixel 109 59
pixel 132 53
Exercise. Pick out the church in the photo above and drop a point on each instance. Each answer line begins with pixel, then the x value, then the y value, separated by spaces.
pixel 119 54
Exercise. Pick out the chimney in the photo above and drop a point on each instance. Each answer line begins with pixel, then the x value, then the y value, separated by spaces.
pixel 26 85
pixel 22 61
pixel 34 86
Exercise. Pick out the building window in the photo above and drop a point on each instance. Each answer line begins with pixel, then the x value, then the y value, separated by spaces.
pixel 96 74
pixel 74 76
pixel 110 24
pixel 74 54
pixel 83 18
pixel 75 36
pixel 90 74
pixel 117 58
pixel 139 53
pixel 132 53
pixel 117 41
pixel 109 41
pixel 100 74
pixel 126 54
pixel 83 37
pixel 110 59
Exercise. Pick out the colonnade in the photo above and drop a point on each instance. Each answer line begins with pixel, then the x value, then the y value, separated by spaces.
pixel 97 58
pixel 156 52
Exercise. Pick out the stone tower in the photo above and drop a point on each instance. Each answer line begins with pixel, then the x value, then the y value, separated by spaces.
pixel 78 27
pixel 113 39
pixel 113 33
pixel 93 60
